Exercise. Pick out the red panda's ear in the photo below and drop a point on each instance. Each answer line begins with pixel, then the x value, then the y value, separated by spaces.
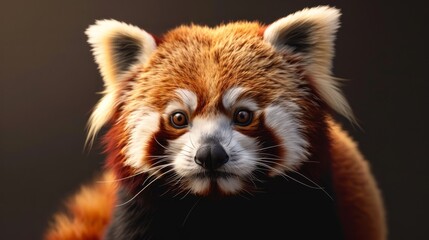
pixel 310 34
pixel 117 48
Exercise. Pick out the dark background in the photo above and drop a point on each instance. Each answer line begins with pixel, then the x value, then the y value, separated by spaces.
pixel 49 83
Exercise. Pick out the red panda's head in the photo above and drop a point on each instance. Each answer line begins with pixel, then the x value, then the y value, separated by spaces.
pixel 208 109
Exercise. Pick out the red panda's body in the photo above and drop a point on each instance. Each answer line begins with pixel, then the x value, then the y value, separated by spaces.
pixel 224 133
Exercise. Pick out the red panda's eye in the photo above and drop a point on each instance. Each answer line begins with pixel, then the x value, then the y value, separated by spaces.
pixel 243 117
pixel 179 120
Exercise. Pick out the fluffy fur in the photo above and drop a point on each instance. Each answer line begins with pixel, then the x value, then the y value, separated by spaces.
pixel 224 130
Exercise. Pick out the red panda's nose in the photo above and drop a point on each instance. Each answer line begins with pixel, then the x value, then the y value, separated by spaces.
pixel 211 156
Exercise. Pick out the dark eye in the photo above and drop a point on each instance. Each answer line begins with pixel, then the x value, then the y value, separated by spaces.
pixel 243 117
pixel 179 120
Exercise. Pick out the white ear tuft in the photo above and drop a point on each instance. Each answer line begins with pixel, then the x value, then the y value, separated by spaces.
pixel 117 47
pixel 310 33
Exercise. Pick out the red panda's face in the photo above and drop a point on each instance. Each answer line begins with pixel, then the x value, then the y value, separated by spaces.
pixel 210 109
pixel 214 109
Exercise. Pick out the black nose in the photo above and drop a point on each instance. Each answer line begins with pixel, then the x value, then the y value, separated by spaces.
pixel 211 156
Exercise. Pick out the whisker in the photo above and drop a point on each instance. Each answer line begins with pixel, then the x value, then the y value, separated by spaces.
pixel 308 179
pixel 179 191
pixel 156 140
pixel 268 158
pixel 268 154
pixel 260 149
pixel 300 174
pixel 230 140
pixel 285 175
pixel 189 213
pixel 157 156
pixel 139 192
pixel 243 196
pixel 190 139
pixel 134 175
pixel 159 168
pixel 186 194
pixel 121 179
pixel 173 148
pixel 269 147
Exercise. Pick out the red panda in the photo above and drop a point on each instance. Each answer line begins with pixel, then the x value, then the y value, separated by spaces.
pixel 224 133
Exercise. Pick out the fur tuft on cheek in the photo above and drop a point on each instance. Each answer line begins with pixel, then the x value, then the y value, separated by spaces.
pixel 283 122
pixel 142 125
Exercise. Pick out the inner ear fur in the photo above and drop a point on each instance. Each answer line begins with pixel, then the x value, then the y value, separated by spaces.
pixel 117 48
pixel 310 34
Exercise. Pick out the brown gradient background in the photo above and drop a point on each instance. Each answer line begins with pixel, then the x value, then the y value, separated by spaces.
pixel 49 83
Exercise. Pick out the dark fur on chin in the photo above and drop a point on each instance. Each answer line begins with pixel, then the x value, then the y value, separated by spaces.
pixel 296 212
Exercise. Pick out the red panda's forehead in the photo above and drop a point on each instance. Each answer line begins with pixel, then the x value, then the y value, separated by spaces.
pixel 209 61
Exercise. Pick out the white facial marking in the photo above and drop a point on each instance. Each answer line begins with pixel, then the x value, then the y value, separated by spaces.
pixel 241 162
pixel 283 122
pixel 231 100
pixel 188 97
pixel 173 106
pixel 230 97
pixel 217 126
pixel 143 123
pixel 200 185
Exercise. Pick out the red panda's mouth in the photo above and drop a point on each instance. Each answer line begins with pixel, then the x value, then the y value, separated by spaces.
pixel 215 183
pixel 213 175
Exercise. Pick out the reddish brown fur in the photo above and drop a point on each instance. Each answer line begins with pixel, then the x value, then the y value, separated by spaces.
pixel 88 214
pixel 208 62
pixel 359 200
